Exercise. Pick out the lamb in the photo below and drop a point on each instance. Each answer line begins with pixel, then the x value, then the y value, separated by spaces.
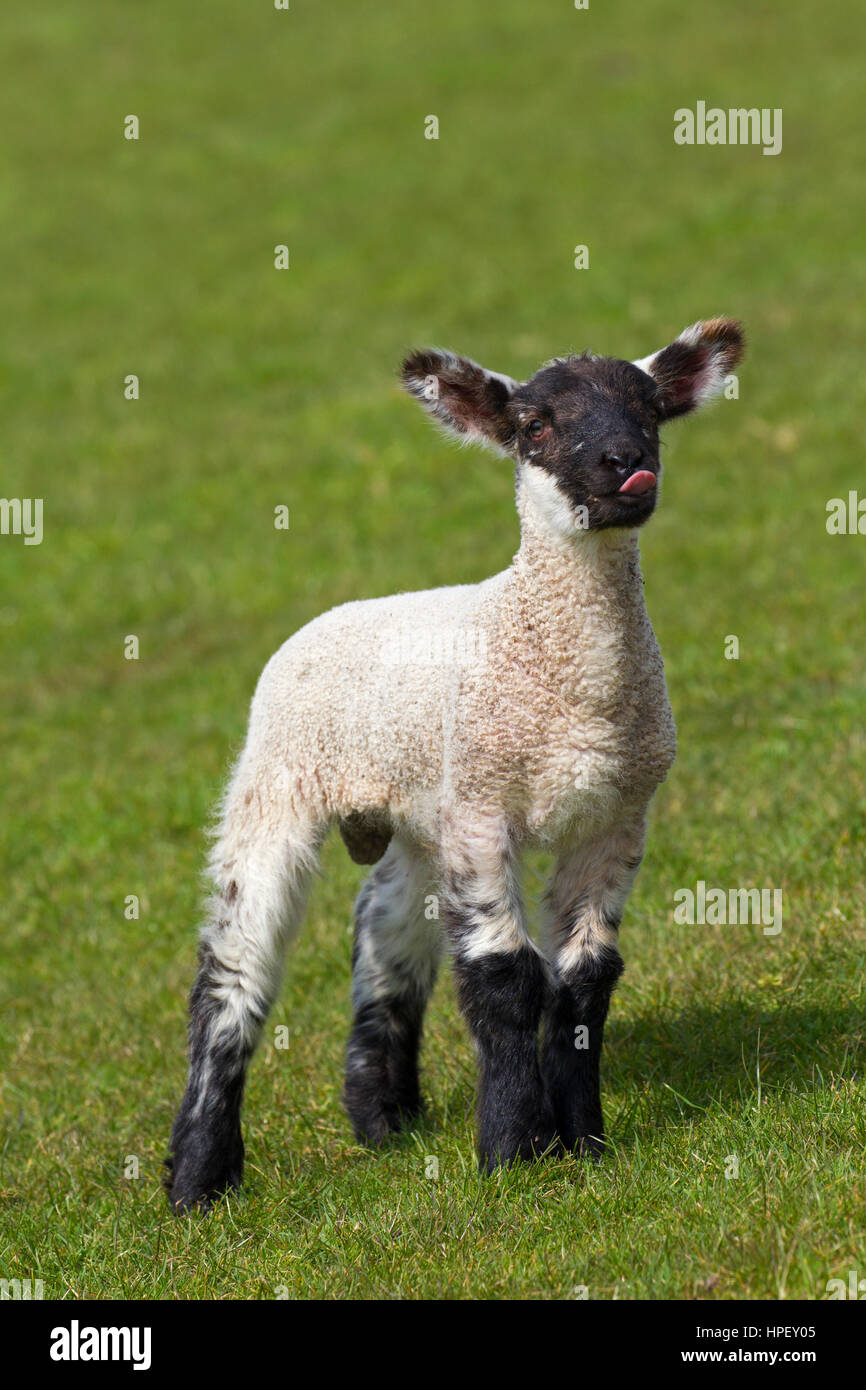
pixel 445 732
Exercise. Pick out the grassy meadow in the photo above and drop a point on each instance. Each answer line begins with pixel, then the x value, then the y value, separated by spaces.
pixel 261 388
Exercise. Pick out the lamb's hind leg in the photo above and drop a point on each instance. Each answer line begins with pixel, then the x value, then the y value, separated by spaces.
pixel 261 874
pixel 585 902
pixel 394 964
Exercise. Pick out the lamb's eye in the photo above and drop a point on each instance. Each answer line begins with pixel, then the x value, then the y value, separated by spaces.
pixel 536 428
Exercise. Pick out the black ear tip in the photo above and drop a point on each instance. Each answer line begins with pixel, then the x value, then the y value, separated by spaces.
pixel 408 365
pixel 737 341
pixel 416 363
pixel 736 332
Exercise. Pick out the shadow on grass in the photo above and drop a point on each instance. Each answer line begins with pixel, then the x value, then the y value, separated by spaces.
pixel 662 1069
pixel 679 1065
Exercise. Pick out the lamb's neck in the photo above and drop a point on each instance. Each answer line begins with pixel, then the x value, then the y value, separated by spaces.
pixel 578 595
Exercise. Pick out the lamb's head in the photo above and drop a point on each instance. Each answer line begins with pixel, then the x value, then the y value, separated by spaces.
pixel 584 431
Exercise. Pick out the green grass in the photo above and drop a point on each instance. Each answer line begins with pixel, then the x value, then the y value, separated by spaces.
pixel 260 388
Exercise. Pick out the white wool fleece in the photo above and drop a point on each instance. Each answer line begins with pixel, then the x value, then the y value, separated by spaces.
pixel 536 697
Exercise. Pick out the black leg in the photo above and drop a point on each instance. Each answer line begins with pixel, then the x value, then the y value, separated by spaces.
pixel 502 983
pixel 573 1034
pixel 502 997
pixel 586 900
pixel 382 1092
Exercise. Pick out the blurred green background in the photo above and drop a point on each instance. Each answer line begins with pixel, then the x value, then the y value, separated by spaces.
pixel 259 388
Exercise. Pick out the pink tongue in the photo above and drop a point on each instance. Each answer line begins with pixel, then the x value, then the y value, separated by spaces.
pixel 642 481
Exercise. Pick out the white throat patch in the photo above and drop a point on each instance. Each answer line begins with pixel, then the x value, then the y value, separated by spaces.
pixel 548 503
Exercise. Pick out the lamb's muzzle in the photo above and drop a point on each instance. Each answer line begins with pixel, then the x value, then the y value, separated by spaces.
pixel 445 732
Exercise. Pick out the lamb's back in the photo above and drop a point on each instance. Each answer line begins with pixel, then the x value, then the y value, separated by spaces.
pixel 358 702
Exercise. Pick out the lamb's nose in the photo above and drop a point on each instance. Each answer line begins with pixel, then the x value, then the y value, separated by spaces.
pixel 625 461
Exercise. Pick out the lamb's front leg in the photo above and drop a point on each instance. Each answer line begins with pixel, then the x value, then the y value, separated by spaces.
pixel 503 985
pixel 586 900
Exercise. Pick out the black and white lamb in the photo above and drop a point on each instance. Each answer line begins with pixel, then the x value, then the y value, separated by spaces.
pixel 445 732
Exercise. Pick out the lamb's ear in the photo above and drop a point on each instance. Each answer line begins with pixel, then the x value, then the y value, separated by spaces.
pixel 466 399
pixel 692 369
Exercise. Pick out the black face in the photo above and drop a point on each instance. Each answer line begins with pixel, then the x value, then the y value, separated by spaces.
pixel 592 424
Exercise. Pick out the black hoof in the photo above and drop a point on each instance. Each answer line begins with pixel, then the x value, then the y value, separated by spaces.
pixel 374 1125
pixel 199 1172
pixel 591 1146
pixel 541 1141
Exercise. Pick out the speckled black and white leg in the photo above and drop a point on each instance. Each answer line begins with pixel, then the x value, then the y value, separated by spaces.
pixel 261 882
pixel 394 964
